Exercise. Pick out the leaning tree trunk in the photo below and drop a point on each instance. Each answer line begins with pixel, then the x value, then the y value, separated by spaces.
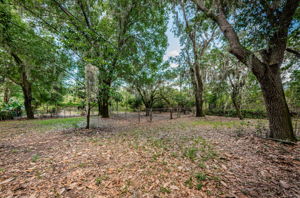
pixel 26 86
pixel 268 75
pixel 280 122
pixel 267 71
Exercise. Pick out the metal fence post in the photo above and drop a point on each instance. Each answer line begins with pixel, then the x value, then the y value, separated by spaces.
pixel 171 113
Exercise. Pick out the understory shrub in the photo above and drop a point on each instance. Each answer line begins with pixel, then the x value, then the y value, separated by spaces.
pixel 10 110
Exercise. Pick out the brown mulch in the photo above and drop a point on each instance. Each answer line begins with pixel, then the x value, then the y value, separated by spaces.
pixel 123 158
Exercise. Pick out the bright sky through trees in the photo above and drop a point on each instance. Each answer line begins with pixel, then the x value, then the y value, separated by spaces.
pixel 174 44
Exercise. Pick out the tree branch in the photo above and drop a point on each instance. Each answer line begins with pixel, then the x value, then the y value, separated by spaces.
pixel 279 39
pixel 244 55
pixel 87 21
pixel 293 52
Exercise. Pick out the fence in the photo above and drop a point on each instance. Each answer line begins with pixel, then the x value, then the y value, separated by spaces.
pixel 152 114
pixel 55 113
pixel 139 115
pixel 59 113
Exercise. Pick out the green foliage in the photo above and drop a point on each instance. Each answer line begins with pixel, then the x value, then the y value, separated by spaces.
pixel 189 183
pixel 42 125
pixel 201 177
pixel 58 121
pixel 30 58
pixel 114 42
pixel 10 110
pixel 165 190
pixel 199 186
pixel 254 18
pixel 82 165
pixel 99 180
pixel 202 164
pixel 215 124
pixel 35 158
pixel 191 153
pixel 135 102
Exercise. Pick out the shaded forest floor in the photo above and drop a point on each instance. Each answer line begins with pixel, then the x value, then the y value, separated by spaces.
pixel 183 157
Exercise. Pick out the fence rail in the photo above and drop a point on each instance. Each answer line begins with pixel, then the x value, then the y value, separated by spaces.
pixel 152 114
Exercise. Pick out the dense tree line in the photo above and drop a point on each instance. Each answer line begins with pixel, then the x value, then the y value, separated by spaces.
pixel 241 55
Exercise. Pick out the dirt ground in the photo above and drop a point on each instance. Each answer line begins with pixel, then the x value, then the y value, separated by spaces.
pixel 183 157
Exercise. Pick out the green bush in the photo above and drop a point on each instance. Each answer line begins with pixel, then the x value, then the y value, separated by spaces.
pixel 10 110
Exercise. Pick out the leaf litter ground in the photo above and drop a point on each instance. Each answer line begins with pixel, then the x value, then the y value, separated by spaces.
pixel 183 157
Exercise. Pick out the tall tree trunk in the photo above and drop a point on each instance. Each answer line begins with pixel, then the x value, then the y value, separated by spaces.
pixel 148 107
pixel 105 107
pixel 28 100
pixel 27 91
pixel 105 91
pixel 237 107
pixel 195 72
pixel 88 115
pixel 6 95
pixel 198 92
pixel 236 100
pixel 199 104
pixel 99 101
pixel 198 80
pixel 278 112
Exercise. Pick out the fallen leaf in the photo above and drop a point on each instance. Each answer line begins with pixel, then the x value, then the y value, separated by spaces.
pixel 7 180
